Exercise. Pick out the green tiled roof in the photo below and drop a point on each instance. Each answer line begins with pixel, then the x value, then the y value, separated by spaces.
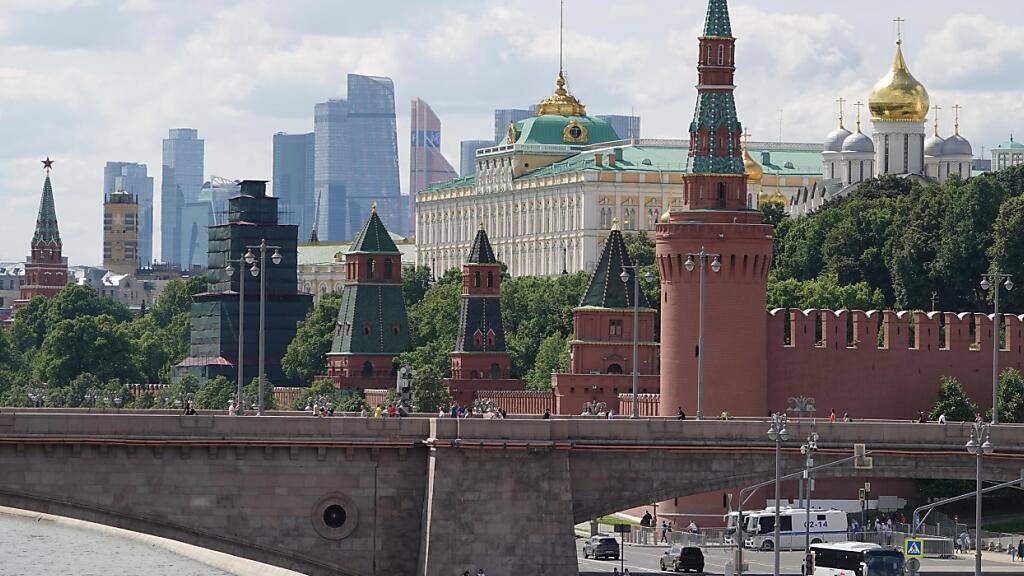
pixel 550 129
pixel 46 221
pixel 373 238
pixel 717 22
pixel 789 162
pixel 326 252
pixel 452 184
pixel 372 320
pixel 606 289
pixel 1011 145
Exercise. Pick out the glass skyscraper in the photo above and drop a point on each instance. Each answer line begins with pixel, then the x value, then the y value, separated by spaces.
pixel 356 159
pixel 627 127
pixel 293 180
pixel 180 185
pixel 467 156
pixel 133 178
pixel 427 165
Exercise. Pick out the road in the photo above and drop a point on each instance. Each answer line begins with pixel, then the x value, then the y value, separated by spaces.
pixel 644 560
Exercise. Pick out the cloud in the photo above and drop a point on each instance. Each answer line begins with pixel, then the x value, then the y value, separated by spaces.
pixel 973 52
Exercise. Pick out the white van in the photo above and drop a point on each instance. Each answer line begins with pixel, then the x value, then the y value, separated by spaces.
pixel 856 559
pixel 825 526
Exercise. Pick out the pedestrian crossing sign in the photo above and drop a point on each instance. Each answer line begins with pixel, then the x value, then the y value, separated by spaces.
pixel 913 548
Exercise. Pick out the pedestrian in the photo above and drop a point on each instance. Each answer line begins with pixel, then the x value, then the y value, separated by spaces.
pixel 547 414
pixel 680 415
pixel 504 413
pixel 977 418
pixel 391 410
pixel 1020 550
pixel 832 416
pixel 921 418
pixel 378 412
pixel 625 572
pixel 611 414
pixel 647 519
pixel 942 418
pixel 846 417
pixel 615 571
pixel 231 407
pixel 664 531
pixel 440 412
pixel 480 572
pixel 692 528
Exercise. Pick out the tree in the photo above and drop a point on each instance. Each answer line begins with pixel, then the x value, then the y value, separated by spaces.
pixel 251 392
pixel 176 298
pixel 434 355
pixel 640 247
pixel 1011 396
pixel 216 394
pixel 1007 250
pixel 415 283
pixel 86 344
pixel 74 301
pixel 306 355
pixel 823 292
pixel 428 391
pixel 953 402
pixel 552 356
pixel 344 400
pixel 773 213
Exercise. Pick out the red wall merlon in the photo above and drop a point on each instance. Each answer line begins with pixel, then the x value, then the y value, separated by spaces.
pixel 891 379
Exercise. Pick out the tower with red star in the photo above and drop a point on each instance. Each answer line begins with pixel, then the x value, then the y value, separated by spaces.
pixel 46 268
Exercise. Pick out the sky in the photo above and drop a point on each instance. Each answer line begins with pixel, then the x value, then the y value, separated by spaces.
pixel 90 81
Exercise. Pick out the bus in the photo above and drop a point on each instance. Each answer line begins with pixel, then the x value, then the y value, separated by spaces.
pixel 825 526
pixel 855 559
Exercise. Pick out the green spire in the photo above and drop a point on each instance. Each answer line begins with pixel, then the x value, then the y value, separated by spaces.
pixel 606 289
pixel 481 252
pixel 46 221
pixel 717 22
pixel 373 238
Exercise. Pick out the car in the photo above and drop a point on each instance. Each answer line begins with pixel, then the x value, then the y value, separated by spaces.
pixel 601 547
pixel 682 558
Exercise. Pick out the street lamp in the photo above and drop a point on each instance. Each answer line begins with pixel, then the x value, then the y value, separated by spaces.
pixel 250 258
pixel 716 265
pixel 778 434
pixel 808 450
pixel 991 280
pixel 625 276
pixel 980 444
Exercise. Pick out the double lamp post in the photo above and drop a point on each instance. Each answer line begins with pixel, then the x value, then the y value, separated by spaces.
pixel 625 276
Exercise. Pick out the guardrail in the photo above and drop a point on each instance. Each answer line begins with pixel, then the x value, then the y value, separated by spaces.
pixel 934 546
pixel 644 536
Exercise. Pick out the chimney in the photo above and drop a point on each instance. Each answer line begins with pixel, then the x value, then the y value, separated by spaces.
pixel 598 158
pixel 254 188
pixel 766 157
pixel 618 154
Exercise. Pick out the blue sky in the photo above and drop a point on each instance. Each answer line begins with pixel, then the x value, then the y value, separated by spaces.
pixel 87 81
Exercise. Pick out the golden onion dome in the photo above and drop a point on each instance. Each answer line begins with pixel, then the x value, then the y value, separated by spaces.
pixel 752 169
pixel 898 96
pixel 776 197
pixel 561 103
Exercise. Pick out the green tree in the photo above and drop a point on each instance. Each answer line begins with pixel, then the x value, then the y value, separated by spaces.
pixel 640 247
pixel 216 394
pixel 176 298
pixel 74 301
pixel 823 292
pixel 251 392
pixel 306 355
pixel 344 400
pixel 86 344
pixel 428 390
pixel 1007 250
pixel 953 402
pixel 434 356
pixel 1011 396
pixel 552 355
pixel 772 213
pixel 415 283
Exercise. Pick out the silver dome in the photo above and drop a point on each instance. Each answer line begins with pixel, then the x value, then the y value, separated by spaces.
pixel 834 140
pixel 858 142
pixel 933 145
pixel 957 145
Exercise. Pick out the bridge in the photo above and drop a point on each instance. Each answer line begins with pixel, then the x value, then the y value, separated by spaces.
pixel 423 496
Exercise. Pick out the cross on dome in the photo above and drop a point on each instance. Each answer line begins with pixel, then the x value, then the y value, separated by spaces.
pixel 899 29
pixel 841 101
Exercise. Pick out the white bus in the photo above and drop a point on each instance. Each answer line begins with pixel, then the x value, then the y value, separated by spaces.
pixel 825 526
pixel 855 559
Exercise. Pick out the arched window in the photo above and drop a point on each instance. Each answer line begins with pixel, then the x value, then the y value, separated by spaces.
pixel 721 54
pixel 615 369
pixel 369 268
pixel 709 54
pixel 476 279
pixel 490 338
pixel 387 268
pixel 490 279
pixel 495 371
pixel 367 369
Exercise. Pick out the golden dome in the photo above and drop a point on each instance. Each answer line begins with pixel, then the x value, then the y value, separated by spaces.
pixel 898 96
pixel 776 197
pixel 561 103
pixel 752 169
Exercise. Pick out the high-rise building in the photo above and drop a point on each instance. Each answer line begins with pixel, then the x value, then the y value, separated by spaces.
pixel 133 178
pixel 121 233
pixel 356 159
pixel 626 126
pixel 427 165
pixel 46 268
pixel 467 160
pixel 293 180
pixel 181 182
pixel 505 116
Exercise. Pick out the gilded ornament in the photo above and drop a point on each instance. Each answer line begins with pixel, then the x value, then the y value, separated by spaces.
pixel 574 132
pixel 561 103
pixel 512 134
pixel 898 96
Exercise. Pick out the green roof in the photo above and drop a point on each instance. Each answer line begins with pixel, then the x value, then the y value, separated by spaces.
pixel 550 129
pixel 481 252
pixel 788 162
pixel 717 22
pixel 1011 145
pixel 373 238
pixel 606 289
pixel 326 253
pixel 46 221
pixel 372 320
pixel 461 182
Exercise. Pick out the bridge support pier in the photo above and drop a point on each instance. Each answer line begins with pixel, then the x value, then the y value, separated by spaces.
pixel 506 511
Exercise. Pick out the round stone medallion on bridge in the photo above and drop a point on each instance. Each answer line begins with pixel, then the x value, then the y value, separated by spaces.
pixel 335 516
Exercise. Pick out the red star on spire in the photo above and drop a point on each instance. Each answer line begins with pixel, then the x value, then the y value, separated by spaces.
pixel 47 164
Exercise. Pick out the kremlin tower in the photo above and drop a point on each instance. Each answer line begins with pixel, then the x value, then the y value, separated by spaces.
pixel 716 242
pixel 46 269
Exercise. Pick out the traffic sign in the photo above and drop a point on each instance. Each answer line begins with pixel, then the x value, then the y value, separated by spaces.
pixel 913 548
pixel 623 528
pixel 913 565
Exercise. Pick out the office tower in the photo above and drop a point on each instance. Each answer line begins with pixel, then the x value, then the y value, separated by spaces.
pixel 181 181
pixel 293 180
pixel 427 165
pixel 133 178
pixel 627 127
pixel 467 160
pixel 120 233
pixel 356 159
pixel 505 116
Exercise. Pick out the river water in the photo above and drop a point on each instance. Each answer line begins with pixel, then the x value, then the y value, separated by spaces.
pixel 30 547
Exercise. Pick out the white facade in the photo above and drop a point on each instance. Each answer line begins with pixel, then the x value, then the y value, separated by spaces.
pixel 899 148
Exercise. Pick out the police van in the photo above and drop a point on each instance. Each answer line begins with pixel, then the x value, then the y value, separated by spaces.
pixel 823 525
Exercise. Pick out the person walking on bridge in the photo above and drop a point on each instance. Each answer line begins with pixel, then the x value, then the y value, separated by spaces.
pixel 680 415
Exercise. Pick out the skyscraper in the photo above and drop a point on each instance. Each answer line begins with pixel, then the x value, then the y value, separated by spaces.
pixel 356 159
pixel 133 178
pixel 181 181
pixel 427 165
pixel 467 159
pixel 627 127
pixel 120 233
pixel 293 180
pixel 505 116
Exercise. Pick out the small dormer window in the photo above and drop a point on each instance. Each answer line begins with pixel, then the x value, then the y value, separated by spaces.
pixel 575 131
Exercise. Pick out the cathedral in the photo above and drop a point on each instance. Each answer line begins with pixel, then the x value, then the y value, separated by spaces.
pixel 897 146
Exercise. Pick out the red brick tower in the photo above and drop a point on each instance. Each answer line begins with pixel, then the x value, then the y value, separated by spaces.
pixel 46 269
pixel 714 218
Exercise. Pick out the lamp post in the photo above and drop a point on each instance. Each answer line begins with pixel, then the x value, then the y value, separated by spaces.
pixel 778 433
pixel 979 445
pixel 808 450
pixel 991 280
pixel 625 276
pixel 230 271
pixel 716 265
pixel 250 258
